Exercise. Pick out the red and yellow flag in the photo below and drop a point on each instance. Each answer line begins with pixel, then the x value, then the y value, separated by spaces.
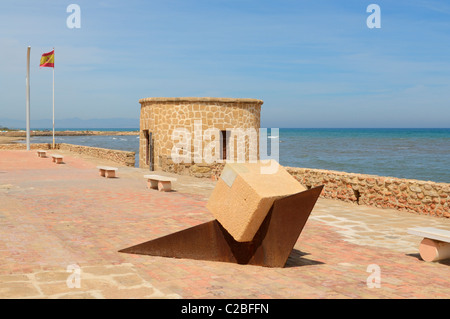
pixel 48 59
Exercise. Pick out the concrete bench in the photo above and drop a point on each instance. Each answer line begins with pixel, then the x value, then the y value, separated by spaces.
pixel 107 171
pixel 162 183
pixel 58 159
pixel 41 153
pixel 435 245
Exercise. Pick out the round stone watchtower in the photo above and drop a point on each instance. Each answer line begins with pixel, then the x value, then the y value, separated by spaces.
pixel 162 120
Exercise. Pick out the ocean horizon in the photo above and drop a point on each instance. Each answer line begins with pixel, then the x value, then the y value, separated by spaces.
pixel 130 129
pixel 112 129
pixel 411 153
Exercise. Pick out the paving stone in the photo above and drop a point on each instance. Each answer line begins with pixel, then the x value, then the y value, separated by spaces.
pixel 80 295
pixel 51 276
pixel 132 293
pixel 128 280
pixel 48 223
pixel 13 278
pixel 108 270
pixel 13 290
pixel 55 288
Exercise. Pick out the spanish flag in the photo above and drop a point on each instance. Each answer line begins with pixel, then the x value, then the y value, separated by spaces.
pixel 48 59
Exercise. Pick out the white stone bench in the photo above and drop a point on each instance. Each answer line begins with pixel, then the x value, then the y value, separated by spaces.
pixel 162 183
pixel 41 153
pixel 435 245
pixel 58 159
pixel 107 171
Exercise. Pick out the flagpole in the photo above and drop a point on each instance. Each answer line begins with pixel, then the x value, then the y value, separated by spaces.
pixel 28 98
pixel 53 101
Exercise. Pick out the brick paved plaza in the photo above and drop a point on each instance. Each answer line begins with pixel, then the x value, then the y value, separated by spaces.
pixel 57 216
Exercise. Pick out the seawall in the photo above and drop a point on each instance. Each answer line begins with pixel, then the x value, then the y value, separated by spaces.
pixel 121 157
pixel 415 196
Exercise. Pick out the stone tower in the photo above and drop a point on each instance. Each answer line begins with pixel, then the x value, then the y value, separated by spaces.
pixel 161 117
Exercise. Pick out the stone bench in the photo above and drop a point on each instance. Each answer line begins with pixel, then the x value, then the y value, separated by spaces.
pixel 58 159
pixel 41 153
pixel 107 171
pixel 435 245
pixel 162 183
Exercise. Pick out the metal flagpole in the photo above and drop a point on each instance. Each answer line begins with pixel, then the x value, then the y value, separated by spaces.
pixel 28 98
pixel 53 146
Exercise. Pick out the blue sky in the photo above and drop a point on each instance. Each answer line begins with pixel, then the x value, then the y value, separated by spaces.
pixel 314 63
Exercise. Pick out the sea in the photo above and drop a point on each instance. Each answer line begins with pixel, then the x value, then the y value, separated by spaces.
pixel 422 154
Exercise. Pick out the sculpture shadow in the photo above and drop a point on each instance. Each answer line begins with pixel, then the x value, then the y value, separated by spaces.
pixel 271 246
pixel 296 259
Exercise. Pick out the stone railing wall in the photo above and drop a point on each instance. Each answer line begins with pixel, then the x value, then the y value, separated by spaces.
pixel 384 192
pixel 120 157
pixel 23 146
pixel 192 169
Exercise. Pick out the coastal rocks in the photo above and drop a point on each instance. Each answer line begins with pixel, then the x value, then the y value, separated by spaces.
pixel 423 197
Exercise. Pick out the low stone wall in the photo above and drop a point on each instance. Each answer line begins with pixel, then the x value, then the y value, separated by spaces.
pixel 120 157
pixel 192 169
pixel 23 146
pixel 384 192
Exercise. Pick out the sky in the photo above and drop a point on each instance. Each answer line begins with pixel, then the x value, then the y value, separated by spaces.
pixel 313 63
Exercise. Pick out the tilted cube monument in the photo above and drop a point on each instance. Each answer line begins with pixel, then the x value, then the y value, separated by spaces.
pixel 258 219
pixel 243 196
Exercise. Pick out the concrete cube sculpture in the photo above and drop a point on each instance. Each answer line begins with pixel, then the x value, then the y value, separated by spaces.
pixel 259 218
pixel 243 196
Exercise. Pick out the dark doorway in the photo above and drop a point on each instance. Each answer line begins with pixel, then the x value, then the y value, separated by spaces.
pixel 148 149
pixel 223 145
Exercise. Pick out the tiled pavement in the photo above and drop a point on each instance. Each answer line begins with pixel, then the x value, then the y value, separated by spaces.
pixel 62 225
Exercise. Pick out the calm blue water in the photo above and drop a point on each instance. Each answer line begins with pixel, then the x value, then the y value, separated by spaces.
pixel 422 154
pixel 89 129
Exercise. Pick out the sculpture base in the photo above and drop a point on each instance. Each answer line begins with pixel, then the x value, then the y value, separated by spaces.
pixel 270 247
